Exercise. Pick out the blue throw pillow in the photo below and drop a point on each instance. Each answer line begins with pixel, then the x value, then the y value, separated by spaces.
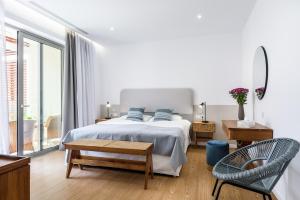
pixel 135 114
pixel 163 115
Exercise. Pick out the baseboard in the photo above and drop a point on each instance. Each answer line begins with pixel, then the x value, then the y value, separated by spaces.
pixel 276 195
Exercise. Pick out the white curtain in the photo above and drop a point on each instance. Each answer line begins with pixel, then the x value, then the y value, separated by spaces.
pixel 4 127
pixel 85 63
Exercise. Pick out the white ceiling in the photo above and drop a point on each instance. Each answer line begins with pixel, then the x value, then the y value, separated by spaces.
pixel 149 20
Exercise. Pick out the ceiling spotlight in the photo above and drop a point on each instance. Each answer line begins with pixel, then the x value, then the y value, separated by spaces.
pixel 112 28
pixel 199 16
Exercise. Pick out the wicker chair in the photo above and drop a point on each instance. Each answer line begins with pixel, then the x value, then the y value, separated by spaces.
pixel 256 167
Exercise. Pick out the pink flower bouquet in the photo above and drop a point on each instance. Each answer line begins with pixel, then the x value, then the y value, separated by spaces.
pixel 240 95
pixel 259 92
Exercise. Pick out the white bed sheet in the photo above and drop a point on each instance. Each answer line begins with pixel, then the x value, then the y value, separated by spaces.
pixel 161 164
pixel 183 124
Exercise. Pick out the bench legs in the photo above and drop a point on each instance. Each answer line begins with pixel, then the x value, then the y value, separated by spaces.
pixel 75 154
pixel 151 166
pixel 72 154
pixel 148 169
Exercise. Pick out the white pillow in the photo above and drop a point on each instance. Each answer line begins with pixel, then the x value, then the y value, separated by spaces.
pixel 151 119
pixel 176 117
pixel 145 117
pixel 123 117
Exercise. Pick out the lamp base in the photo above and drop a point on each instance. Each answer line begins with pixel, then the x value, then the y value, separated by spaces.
pixel 204 121
pixel 107 117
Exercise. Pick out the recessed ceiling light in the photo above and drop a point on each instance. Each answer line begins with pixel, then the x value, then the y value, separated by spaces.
pixel 112 28
pixel 199 16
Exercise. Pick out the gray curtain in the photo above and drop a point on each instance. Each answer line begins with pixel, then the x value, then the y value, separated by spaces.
pixel 85 81
pixel 79 85
pixel 69 111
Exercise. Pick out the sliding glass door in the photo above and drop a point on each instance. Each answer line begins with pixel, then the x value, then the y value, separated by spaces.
pixel 35 85
pixel 28 95
pixel 51 95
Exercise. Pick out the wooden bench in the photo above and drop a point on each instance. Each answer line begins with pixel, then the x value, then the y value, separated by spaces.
pixel 111 146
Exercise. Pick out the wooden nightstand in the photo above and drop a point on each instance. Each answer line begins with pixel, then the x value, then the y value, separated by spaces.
pixel 100 120
pixel 203 131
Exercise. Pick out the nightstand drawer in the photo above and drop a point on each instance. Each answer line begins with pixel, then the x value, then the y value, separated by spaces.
pixel 203 131
pixel 203 127
pixel 204 135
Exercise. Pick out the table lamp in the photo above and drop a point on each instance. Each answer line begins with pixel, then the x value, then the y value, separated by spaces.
pixel 107 110
pixel 203 106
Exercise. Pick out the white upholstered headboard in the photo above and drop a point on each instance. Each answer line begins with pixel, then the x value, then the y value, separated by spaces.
pixel 178 99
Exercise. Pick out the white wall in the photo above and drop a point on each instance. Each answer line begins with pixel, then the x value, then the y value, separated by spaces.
pixel 19 15
pixel 100 53
pixel 211 65
pixel 275 24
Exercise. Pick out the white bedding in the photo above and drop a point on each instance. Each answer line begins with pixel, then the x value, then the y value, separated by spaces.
pixel 161 164
pixel 179 123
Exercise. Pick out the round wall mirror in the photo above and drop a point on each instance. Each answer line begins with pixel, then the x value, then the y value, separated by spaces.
pixel 260 73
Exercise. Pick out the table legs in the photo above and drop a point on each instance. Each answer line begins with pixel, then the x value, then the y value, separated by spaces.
pixel 241 143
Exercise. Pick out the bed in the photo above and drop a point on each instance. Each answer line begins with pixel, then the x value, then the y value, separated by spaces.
pixel 170 138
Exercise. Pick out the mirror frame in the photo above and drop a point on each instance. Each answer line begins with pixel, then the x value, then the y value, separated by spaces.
pixel 267 72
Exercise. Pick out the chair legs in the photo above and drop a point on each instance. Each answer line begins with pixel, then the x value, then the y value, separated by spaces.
pixel 268 195
pixel 224 182
pixel 216 184
pixel 219 190
pixel 264 196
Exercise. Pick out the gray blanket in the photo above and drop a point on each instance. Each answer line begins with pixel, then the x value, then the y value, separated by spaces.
pixel 167 141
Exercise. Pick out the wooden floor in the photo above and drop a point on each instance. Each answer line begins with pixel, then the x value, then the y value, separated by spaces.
pixel 195 182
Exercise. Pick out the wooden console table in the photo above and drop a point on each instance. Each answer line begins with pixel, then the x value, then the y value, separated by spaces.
pixel 111 146
pixel 14 178
pixel 245 136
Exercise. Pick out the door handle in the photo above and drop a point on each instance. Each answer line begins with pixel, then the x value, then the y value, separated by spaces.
pixel 24 106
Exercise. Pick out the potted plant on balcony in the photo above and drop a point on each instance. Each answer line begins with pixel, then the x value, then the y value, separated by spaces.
pixel 240 95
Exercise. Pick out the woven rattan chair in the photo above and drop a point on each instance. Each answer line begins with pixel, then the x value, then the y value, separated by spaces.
pixel 256 167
